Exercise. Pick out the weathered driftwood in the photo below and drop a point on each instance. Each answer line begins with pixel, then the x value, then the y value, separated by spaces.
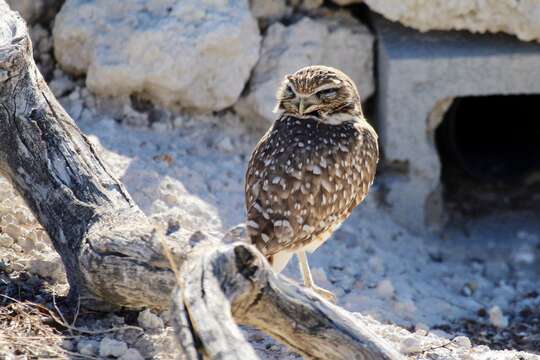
pixel 114 256
pixel 104 239
pixel 238 278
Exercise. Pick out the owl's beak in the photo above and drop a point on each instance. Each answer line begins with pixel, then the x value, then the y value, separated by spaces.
pixel 301 106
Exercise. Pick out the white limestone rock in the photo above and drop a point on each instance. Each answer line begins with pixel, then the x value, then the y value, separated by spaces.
pixel 518 17
pixel 192 54
pixel 338 41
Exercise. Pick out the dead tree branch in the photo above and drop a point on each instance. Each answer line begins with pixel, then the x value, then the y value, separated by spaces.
pixel 236 278
pixel 113 255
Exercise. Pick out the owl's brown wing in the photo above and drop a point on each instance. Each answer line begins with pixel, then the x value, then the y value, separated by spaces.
pixel 344 183
pixel 255 167
pixel 304 180
pixel 364 159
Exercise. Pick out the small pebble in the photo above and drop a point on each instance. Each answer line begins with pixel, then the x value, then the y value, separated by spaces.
pixel 26 243
pixel 405 308
pixel 496 317
pixel 481 348
pixel 462 341
pixel 22 216
pixel 149 320
pixel 112 347
pixel 131 354
pixel 8 219
pixel 88 347
pixel 67 345
pixel 468 289
pixel 61 86
pixel 385 289
pixel 13 230
pixel 225 145
pixel 441 333
pixel 256 337
pixel 17 248
pixel 6 240
pixel 421 327
pixel 166 316
pixel 411 345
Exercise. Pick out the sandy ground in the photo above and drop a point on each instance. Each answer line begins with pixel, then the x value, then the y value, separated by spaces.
pixel 423 293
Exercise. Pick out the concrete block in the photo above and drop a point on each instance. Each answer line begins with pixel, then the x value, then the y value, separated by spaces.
pixel 418 76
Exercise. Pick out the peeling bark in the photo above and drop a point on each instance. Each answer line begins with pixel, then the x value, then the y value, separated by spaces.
pixel 114 256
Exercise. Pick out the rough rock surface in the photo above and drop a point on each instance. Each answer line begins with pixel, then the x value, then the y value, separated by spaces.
pixel 338 41
pixel 195 55
pixel 520 18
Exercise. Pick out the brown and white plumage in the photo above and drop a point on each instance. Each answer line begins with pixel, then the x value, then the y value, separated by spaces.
pixel 313 166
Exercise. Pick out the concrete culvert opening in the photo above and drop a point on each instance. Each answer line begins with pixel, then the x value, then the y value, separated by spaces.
pixel 489 147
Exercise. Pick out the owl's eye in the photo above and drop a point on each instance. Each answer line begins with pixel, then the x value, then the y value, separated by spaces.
pixel 327 94
pixel 288 92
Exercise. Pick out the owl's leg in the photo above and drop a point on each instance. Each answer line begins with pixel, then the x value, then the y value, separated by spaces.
pixel 308 279
pixel 280 260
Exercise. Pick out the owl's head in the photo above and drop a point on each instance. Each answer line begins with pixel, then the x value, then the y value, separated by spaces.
pixel 319 92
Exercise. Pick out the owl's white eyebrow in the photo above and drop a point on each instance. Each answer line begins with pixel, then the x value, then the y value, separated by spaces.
pixel 320 88
pixel 327 87
pixel 324 87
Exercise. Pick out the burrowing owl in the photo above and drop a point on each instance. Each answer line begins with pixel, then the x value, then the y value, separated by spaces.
pixel 312 167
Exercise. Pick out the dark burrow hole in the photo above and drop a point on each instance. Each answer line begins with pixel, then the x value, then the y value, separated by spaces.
pixel 489 147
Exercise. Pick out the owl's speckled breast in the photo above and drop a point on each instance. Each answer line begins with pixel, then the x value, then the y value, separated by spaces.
pixel 304 179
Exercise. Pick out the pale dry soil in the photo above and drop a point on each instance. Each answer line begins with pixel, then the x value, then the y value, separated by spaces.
pixel 423 293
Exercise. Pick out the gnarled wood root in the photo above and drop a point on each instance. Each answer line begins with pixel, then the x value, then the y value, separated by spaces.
pixel 113 255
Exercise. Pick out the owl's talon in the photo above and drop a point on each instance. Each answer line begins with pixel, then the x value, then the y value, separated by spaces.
pixel 328 295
